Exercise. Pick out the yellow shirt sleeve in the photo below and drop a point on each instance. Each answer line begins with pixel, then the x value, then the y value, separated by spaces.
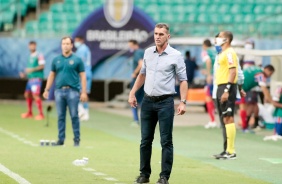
pixel 231 59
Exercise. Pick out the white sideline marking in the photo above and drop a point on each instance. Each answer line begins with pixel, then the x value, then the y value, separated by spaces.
pixel 13 175
pixel 99 174
pixel 88 169
pixel 111 179
pixel 21 139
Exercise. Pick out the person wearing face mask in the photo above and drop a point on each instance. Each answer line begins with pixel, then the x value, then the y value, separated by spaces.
pixel 226 77
pixel 84 53
pixel 138 54
pixel 248 105
pixel 240 94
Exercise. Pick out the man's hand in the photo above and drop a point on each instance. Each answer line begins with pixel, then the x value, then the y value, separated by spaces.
pixel 28 70
pixel 83 97
pixel 46 94
pixel 181 109
pixel 242 93
pixel 22 75
pixel 224 97
pixel 133 75
pixel 132 100
pixel 209 79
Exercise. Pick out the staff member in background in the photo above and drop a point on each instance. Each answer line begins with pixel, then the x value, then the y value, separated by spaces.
pixel 240 94
pixel 160 67
pixel 137 64
pixel 208 57
pixel 67 69
pixel 34 72
pixel 84 53
pixel 226 79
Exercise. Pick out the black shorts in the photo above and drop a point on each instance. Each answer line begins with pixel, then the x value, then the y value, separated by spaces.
pixel 251 97
pixel 228 107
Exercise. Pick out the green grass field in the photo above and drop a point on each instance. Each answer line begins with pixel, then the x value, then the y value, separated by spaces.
pixel 112 146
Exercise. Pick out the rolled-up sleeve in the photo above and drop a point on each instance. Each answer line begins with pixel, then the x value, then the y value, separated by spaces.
pixel 180 69
pixel 143 68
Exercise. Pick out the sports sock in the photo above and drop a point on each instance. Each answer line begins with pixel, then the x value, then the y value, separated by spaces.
pixel 210 108
pixel 39 106
pixel 135 114
pixel 256 121
pixel 29 105
pixel 243 115
pixel 231 134
pixel 86 105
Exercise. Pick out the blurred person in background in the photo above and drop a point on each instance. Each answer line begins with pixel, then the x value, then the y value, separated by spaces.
pixel 277 102
pixel 138 54
pixel 251 102
pixel 35 73
pixel 83 51
pixel 208 57
pixel 254 76
pixel 191 67
pixel 66 70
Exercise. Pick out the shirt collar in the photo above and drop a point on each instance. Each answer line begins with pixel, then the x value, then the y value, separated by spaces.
pixel 166 51
pixel 33 54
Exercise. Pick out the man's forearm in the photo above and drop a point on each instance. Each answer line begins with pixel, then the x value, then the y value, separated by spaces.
pixel 50 81
pixel 38 68
pixel 183 89
pixel 83 82
pixel 140 80
pixel 232 75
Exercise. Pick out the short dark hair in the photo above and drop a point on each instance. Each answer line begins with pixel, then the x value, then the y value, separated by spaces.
pixel 80 37
pixel 187 54
pixel 67 37
pixel 163 25
pixel 32 43
pixel 270 68
pixel 207 43
pixel 135 42
pixel 229 35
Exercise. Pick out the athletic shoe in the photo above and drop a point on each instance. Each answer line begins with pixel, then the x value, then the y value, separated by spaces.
pixel 134 124
pixel 26 115
pixel 228 156
pixel 59 143
pixel 142 179
pixel 217 156
pixel 211 125
pixel 248 131
pixel 76 144
pixel 39 117
pixel 162 180
pixel 272 138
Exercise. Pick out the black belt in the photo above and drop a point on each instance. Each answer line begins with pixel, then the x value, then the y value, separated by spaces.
pixel 157 98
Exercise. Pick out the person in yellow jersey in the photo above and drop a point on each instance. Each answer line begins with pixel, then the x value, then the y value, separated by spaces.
pixel 226 79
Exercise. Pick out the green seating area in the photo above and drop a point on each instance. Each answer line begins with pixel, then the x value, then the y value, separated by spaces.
pixel 8 11
pixel 186 17
pixel 62 17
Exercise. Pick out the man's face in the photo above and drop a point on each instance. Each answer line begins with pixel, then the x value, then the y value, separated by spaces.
pixel 77 40
pixel 161 36
pixel 32 47
pixel 221 39
pixel 267 72
pixel 66 45
pixel 131 46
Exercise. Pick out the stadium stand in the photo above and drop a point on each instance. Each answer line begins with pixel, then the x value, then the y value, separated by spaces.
pixel 186 17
